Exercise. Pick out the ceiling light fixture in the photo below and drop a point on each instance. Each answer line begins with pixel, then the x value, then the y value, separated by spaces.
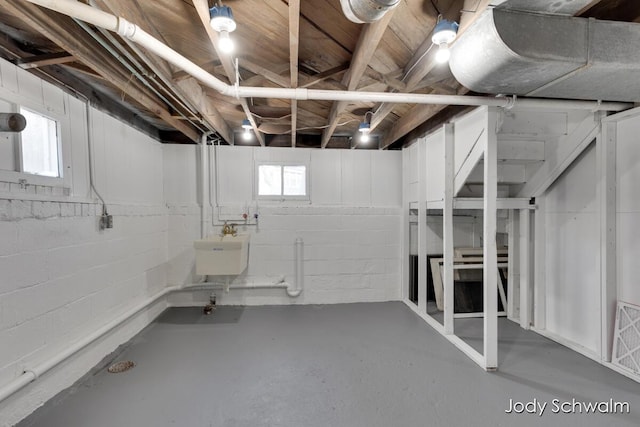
pixel 246 134
pixel 364 129
pixel 444 33
pixel 222 21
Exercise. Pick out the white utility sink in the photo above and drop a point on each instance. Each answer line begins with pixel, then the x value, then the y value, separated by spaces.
pixel 222 255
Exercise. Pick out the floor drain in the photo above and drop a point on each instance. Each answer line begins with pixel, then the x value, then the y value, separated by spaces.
pixel 116 368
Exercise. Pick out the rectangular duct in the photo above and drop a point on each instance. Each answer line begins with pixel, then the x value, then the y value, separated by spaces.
pixel 551 56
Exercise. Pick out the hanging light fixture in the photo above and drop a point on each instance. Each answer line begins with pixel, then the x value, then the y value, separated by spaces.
pixel 222 21
pixel 246 134
pixel 444 33
pixel 364 129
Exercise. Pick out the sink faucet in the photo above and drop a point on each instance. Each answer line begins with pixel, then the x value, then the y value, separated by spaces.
pixel 229 229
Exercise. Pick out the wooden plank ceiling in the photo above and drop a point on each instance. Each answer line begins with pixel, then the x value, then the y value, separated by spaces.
pixel 278 43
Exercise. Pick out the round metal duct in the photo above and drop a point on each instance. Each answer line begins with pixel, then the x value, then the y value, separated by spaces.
pixel 12 122
pixel 366 11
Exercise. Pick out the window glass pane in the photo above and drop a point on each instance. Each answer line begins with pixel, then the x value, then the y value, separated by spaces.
pixel 269 180
pixel 295 180
pixel 39 145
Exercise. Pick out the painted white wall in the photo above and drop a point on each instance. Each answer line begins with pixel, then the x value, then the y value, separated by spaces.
pixel 572 254
pixel 181 187
pixel 351 226
pixel 628 210
pixel 61 277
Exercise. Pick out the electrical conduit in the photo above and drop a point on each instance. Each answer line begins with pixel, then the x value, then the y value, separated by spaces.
pixel 127 29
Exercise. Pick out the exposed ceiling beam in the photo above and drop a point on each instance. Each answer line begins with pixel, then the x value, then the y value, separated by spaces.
pixel 204 106
pixel 370 37
pixel 202 9
pixel 44 60
pixel 207 66
pixel 294 42
pixel 423 60
pixel 64 32
pixel 325 75
pixel 258 79
pixel 267 73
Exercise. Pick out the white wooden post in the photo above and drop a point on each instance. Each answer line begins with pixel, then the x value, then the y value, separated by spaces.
pixel 490 260
pixel 447 224
pixel 606 150
pixel 513 269
pixel 539 285
pixel 422 227
pixel 525 268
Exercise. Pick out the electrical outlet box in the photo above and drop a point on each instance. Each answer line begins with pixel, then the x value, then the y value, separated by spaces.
pixel 106 221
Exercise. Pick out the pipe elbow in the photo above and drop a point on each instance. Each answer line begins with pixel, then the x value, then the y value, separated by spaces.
pixel 293 293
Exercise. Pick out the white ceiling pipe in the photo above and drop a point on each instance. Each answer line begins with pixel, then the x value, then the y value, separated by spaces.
pixel 127 29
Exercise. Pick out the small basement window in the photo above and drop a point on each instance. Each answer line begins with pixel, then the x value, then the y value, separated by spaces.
pixel 39 145
pixel 279 181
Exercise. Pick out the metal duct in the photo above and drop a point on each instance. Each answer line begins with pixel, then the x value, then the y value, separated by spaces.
pixel 366 11
pixel 556 7
pixel 551 56
pixel 12 122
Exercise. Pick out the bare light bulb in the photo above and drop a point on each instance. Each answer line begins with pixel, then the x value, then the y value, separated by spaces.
pixel 246 135
pixel 364 137
pixel 225 43
pixel 443 54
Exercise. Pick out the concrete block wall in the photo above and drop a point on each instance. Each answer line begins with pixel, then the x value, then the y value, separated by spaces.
pixel 60 276
pixel 351 226
pixel 181 189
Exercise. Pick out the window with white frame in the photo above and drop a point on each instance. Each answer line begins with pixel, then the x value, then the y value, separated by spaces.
pixel 39 148
pixel 283 181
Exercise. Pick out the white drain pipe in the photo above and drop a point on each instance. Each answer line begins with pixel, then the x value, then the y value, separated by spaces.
pixel 204 174
pixel 127 29
pixel 30 375
pixel 294 290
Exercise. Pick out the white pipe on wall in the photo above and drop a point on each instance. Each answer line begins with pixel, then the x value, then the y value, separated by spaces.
pixel 127 29
pixel 30 375
pixel 203 185
pixel 295 289
pixel 36 372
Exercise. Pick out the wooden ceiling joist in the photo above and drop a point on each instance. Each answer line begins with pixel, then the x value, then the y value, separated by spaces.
pixel 368 41
pixel 64 32
pixel 204 107
pixel 44 60
pixel 325 75
pixel 202 9
pixel 294 43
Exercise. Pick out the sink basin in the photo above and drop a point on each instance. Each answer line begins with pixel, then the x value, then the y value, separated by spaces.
pixel 222 255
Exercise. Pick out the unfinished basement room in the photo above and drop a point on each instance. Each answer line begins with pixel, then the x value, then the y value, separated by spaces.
pixel 319 213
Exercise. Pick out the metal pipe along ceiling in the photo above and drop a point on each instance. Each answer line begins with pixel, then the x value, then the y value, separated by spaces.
pixel 127 29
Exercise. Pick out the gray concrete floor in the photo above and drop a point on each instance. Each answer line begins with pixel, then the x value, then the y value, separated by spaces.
pixel 337 365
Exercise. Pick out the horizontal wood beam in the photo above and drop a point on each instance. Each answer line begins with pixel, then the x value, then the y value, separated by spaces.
pixel 44 60
pixel 368 41
pixel 325 75
pixel 187 92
